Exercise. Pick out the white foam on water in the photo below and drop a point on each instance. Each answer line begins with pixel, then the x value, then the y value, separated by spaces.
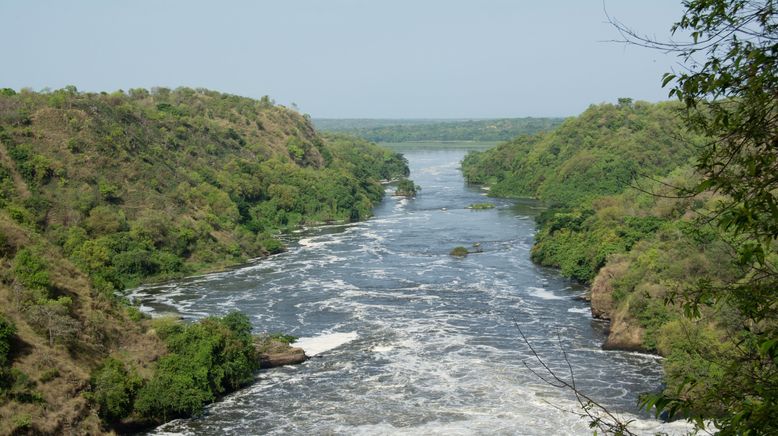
pixel 543 293
pixel 433 356
pixel 314 242
pixel 323 343
pixel 581 310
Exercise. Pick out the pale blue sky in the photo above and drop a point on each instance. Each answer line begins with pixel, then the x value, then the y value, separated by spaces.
pixel 347 58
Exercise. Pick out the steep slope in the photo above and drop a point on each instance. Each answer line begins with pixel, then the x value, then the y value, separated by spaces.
pixel 99 192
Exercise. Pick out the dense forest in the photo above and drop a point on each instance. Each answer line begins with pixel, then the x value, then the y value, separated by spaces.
pixel 103 191
pixel 439 130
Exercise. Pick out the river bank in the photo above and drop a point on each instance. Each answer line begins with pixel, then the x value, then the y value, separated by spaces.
pixel 433 347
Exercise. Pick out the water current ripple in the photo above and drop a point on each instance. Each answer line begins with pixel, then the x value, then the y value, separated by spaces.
pixel 428 341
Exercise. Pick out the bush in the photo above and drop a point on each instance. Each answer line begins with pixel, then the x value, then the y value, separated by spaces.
pixel 481 206
pixel 49 375
pixel 22 423
pixel 31 270
pixel 406 188
pixel 113 389
pixel 136 262
pixel 270 244
pixel 281 337
pixel 104 220
pixel 108 191
pixel 7 332
pixel 459 252
pixel 206 360
pixel 178 388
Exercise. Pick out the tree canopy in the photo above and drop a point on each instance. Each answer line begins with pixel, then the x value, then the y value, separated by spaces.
pixel 729 87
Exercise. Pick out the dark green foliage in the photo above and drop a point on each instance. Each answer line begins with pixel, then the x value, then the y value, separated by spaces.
pixel 30 270
pixel 599 152
pixel 439 130
pixel 178 388
pixel 113 389
pixel 7 332
pixel 459 252
pixel 206 360
pixel 281 337
pixel 579 241
pixel 35 168
pixel 406 188
pixel 364 160
pixel 728 86
pixel 16 385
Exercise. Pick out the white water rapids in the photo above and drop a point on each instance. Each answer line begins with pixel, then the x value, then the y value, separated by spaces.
pixel 407 339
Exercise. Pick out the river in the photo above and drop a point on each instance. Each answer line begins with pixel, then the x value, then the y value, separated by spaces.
pixel 418 342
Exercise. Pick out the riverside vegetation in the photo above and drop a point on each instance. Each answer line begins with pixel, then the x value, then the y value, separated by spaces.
pixel 100 192
pixel 616 221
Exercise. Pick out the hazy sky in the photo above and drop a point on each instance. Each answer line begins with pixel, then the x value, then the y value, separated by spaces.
pixel 347 58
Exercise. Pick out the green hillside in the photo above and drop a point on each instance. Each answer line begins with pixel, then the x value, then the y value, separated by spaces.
pixel 99 192
pixel 596 153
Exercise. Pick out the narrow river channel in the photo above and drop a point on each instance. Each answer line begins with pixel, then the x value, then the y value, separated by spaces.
pixel 427 341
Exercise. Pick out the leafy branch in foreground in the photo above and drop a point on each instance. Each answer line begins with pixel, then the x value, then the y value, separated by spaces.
pixel 729 86
pixel 597 414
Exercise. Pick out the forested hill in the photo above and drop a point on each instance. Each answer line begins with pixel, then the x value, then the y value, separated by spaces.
pixel 387 130
pixel 596 153
pixel 99 192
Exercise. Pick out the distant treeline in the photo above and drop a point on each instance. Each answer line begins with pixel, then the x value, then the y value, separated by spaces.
pixel 398 130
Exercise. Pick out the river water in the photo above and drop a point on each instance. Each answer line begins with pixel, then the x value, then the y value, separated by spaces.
pixel 416 341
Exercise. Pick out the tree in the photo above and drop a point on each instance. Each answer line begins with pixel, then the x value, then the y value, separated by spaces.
pixel 53 318
pixel 730 92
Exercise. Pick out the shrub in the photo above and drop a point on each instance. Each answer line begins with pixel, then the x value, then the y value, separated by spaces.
pixel 135 262
pixel 178 388
pixel 459 252
pixel 108 191
pixel 7 332
pixel 206 360
pixel 270 244
pixel 113 389
pixel 49 375
pixel 481 206
pixel 30 270
pixel 406 188
pixel 22 423
pixel 104 220
pixel 281 337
